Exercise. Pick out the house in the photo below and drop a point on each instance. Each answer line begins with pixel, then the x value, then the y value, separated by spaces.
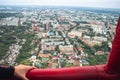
pixel 100 53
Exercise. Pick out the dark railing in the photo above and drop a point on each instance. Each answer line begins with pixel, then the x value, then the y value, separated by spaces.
pixel 109 71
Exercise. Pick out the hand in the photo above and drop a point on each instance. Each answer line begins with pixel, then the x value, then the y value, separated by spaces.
pixel 21 70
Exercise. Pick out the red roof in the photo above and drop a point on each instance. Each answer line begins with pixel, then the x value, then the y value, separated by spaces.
pixel 80 49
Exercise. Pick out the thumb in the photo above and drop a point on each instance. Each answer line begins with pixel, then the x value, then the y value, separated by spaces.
pixel 25 78
pixel 28 69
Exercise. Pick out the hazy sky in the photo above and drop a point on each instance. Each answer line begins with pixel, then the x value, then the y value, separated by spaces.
pixel 85 3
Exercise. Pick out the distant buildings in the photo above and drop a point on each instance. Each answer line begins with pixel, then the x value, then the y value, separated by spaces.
pixel 12 53
pixel 97 28
pixel 11 21
pixel 61 35
pixel 67 50
pixel 74 33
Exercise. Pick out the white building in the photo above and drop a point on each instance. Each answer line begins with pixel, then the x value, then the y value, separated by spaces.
pixel 74 33
pixel 97 38
pixel 97 28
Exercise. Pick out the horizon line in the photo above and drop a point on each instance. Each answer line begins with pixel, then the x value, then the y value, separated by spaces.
pixel 19 5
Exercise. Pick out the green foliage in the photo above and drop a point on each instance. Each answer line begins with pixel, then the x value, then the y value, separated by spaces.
pixel 59 32
pixel 69 65
pixel 26 62
pixel 103 47
pixel 9 34
pixel 63 64
pixel 3 49
pixel 24 52
pixel 4 15
pixel 5 63
pixel 87 49
pixel 97 59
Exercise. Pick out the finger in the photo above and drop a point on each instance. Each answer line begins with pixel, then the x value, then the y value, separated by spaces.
pixel 25 78
pixel 30 68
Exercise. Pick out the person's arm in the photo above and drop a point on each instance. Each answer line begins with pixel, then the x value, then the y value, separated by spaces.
pixel 17 71
pixel 6 72
pixel 21 70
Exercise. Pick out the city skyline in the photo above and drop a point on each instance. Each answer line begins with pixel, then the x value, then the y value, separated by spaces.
pixel 81 3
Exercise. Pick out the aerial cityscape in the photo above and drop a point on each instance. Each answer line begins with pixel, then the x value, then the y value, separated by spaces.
pixel 56 36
